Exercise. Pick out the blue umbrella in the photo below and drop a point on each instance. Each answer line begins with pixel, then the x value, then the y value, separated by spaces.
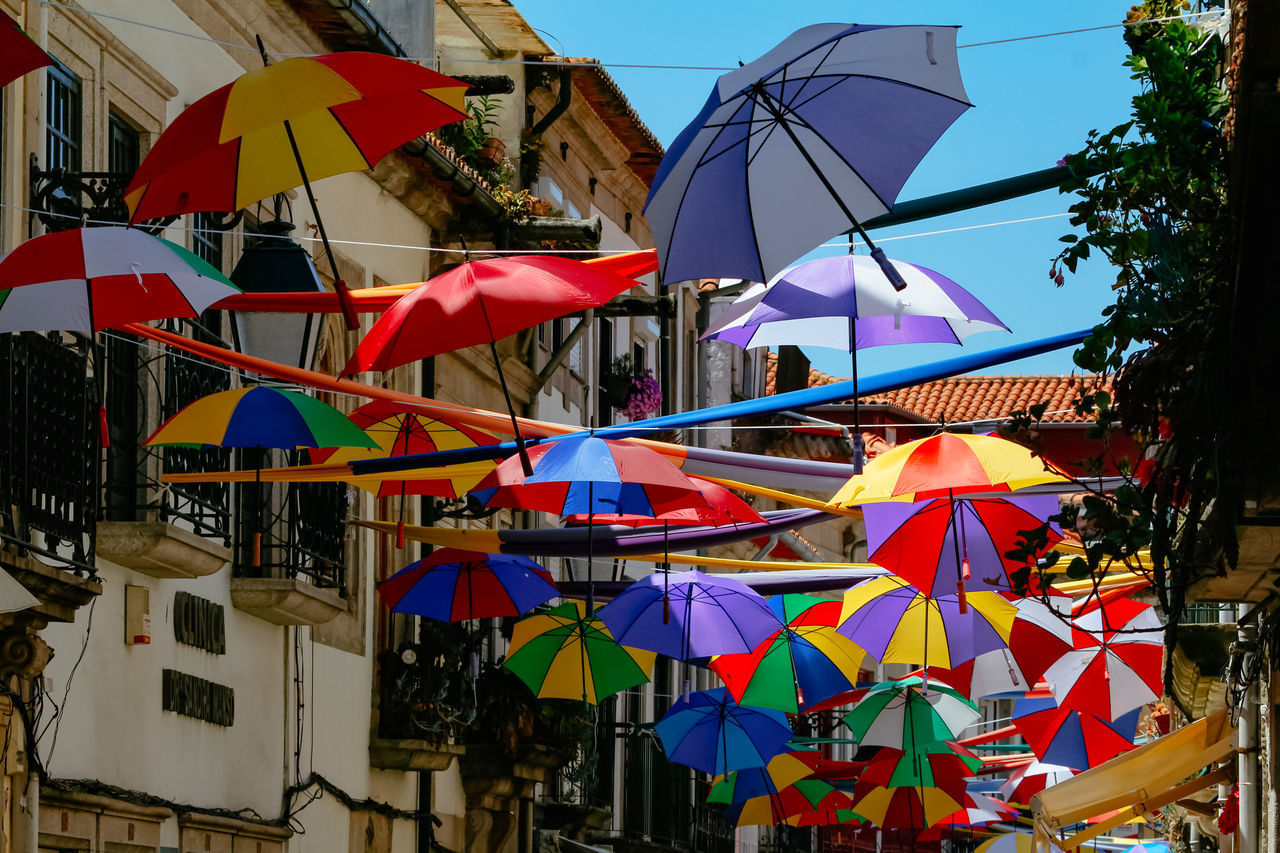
pixel 1072 738
pixel 690 615
pixel 708 731
pixel 802 144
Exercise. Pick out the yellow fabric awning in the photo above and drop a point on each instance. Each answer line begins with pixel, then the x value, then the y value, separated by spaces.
pixel 1135 782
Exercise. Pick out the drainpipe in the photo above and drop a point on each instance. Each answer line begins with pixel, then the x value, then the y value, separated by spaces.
pixel 563 98
pixel 561 353
pixel 1247 741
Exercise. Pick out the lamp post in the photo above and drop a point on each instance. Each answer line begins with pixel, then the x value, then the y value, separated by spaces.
pixel 276 264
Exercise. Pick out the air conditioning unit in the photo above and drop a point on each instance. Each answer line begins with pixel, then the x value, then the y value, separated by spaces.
pixel 137 615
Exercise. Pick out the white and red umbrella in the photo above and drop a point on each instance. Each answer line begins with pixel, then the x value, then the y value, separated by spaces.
pixel 1029 780
pixel 1115 663
pixel 88 279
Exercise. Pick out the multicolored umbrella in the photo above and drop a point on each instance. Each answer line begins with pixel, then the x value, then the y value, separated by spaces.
pixel 89 279
pixel 563 654
pixel 18 53
pixel 907 807
pixel 451 586
pixel 947 465
pixel 804 663
pixel 710 732
pixel 399 430
pixel 1071 738
pixel 945 765
pixel 288 124
pixel 901 715
pixel 723 508
pixel 896 623
pixel 259 416
pixel 935 545
pixel 687 615
pixel 1007 842
pixel 751 782
pixel 789 805
pixel 838 115
pixel 1116 663
pixel 1030 779
pixel 979 810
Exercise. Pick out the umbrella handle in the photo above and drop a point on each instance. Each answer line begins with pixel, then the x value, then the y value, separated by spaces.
pixel 963 600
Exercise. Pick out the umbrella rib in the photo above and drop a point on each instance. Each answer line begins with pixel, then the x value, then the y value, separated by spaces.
pixel 343 125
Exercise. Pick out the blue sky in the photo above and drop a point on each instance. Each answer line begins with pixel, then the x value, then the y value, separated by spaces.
pixel 1035 100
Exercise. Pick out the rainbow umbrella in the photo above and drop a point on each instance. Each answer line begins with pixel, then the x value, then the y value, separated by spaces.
pixel 710 732
pixel 802 664
pixel 563 654
pixel 931 765
pixel 750 782
pixel 451 586
pixel 896 623
pixel 901 715
pixel 790 804
pixel 260 417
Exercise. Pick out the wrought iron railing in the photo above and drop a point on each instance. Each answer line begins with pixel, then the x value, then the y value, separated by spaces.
pixel 426 690
pixel 786 839
pixel 140 382
pixel 291 530
pixel 49 449
pixel 712 832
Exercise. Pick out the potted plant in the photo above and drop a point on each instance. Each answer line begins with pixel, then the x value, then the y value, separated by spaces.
pixel 631 389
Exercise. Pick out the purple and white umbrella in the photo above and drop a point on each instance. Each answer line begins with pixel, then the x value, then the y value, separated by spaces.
pixel 848 303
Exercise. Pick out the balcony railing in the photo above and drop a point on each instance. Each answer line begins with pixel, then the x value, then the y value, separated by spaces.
pixel 49 450
pixel 302 528
pixel 144 388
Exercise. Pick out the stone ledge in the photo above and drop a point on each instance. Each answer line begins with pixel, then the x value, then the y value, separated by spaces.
pixel 160 549
pixel 410 754
pixel 286 601
pixel 61 592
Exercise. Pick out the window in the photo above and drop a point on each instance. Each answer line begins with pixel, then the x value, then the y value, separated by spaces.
pixel 206 241
pixel 62 142
pixel 123 146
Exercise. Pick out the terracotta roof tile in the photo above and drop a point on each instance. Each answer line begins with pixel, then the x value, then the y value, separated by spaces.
pixel 973 398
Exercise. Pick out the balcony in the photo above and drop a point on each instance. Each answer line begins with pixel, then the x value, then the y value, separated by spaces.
pixel 424 701
pixel 298 575
pixel 49 471
pixel 166 531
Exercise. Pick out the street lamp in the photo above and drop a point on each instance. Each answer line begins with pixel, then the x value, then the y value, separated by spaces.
pixel 276 264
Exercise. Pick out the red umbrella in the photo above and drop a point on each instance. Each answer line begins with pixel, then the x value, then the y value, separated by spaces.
pixel 481 302
pixel 18 53
pixel 1029 780
pixel 723 508
pixel 1115 664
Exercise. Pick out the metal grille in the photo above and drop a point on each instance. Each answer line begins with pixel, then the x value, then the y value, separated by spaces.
pixel 123 146
pixel 62 141
pixel 206 241
pixel 49 448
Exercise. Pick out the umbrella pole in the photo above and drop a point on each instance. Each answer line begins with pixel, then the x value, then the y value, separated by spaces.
pixel 857 424
pixel 257 533
pixel 666 575
pixel 591 519
pixel 506 395
pixel 340 286
pixel 957 525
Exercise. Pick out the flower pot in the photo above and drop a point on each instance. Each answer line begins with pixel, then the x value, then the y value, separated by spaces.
pixel 492 152
pixel 617 390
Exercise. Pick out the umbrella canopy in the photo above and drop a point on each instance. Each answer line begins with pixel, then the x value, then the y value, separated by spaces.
pixel 978 810
pixel 944 466
pixel 838 115
pixel 1071 738
pixel 906 807
pixel 89 279
pixel 901 715
pixel 480 302
pixel 751 782
pixel 1116 663
pixel 13 595
pixel 452 585
pixel 896 623
pixel 1030 779
pixel 586 474
pixel 399 431
pixel 790 804
pixel 18 53
pixel 1007 842
pixel 723 508
pixel 259 416
pixel 934 544
pixel 275 127
pixel 943 765
pixel 710 732
pixel 847 303
pixel 804 663
pixel 562 654
pixel 687 615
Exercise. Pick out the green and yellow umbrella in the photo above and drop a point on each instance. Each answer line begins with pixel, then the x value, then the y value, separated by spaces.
pixel 790 805
pixel 782 770
pixel 561 654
